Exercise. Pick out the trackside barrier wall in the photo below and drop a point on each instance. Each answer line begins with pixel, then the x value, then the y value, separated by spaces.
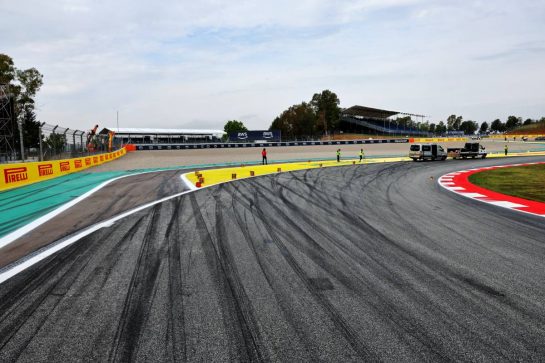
pixel 20 174
pixel 510 136
pixel 228 145
pixel 437 139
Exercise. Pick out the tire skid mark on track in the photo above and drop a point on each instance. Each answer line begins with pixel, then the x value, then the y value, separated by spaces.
pixel 176 322
pixel 244 309
pixel 436 269
pixel 313 253
pixel 236 309
pixel 412 298
pixel 48 284
pixel 245 218
pixel 139 295
pixel 348 332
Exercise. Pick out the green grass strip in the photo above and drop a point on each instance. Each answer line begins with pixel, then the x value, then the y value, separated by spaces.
pixel 526 182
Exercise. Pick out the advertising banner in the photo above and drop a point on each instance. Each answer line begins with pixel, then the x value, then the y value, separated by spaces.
pixel 253 136
pixel 16 175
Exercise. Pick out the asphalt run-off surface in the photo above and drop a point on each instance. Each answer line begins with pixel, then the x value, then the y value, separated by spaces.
pixel 373 262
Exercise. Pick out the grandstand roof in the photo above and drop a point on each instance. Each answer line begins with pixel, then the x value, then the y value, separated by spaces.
pixel 364 111
pixel 149 131
pixel 376 113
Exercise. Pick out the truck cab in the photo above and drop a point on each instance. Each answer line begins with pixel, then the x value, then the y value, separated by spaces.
pixel 427 152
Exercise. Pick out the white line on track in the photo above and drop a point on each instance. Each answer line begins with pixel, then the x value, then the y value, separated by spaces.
pixel 17 268
pixel 187 183
pixel 37 258
pixel 7 239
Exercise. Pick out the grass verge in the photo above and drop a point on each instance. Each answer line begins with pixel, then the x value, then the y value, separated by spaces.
pixel 526 182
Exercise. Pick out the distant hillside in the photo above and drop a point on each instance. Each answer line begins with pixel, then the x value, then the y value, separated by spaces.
pixel 532 129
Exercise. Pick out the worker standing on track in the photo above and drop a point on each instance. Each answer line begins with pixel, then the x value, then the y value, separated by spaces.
pixel 264 156
pixel 362 155
pixel 506 149
pixel 338 155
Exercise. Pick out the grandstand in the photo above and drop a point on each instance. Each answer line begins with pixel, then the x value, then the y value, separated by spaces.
pixel 368 120
pixel 162 136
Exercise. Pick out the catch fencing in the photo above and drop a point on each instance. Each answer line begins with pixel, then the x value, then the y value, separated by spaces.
pixel 55 142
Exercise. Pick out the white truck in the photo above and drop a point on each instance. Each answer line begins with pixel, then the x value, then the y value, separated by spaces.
pixel 427 152
pixel 470 150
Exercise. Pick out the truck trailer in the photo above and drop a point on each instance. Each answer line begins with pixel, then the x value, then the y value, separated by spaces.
pixel 470 150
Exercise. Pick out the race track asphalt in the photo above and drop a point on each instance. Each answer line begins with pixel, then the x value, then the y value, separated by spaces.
pixel 357 263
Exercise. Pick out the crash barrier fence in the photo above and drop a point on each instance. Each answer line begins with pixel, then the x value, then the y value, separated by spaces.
pixel 289 143
pixel 510 137
pixel 20 174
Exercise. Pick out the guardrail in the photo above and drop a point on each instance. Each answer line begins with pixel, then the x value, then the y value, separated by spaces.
pixel 20 174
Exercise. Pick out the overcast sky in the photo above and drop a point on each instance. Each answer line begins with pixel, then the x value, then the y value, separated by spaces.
pixel 197 64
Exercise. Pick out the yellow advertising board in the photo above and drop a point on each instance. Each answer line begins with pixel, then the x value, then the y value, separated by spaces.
pixel 510 137
pixel 16 175
pixel 437 139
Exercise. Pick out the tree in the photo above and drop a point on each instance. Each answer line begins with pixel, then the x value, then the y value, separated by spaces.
pixel 528 121
pixel 441 128
pixel 7 69
pixel 513 122
pixel 484 128
pixel 56 142
pixel 298 121
pixel 497 126
pixel 468 127
pixel 454 122
pixel 326 106
pixel 23 85
pixel 405 122
pixel 31 127
pixel 432 128
pixel 234 126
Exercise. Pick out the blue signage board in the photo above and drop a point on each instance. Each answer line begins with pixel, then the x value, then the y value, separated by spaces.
pixel 252 136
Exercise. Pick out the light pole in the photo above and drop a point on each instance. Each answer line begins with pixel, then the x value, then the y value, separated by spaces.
pixel 40 140
pixel 64 138
pixel 20 123
pixel 81 141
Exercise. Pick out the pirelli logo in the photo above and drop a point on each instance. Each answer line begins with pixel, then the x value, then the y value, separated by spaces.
pixel 65 165
pixel 45 169
pixel 14 175
pixel 101 157
pixel 87 161
pixel 107 157
pixel 78 164
pixel 95 159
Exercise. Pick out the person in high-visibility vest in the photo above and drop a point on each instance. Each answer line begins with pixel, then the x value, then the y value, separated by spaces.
pixel 362 155
pixel 338 155
pixel 506 149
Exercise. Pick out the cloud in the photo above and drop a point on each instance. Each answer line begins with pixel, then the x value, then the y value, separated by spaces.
pixel 204 62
